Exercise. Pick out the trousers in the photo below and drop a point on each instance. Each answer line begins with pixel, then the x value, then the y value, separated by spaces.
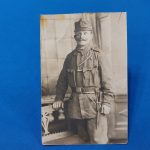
pixel 90 132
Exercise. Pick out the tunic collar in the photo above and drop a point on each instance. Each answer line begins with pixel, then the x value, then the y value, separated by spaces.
pixel 83 51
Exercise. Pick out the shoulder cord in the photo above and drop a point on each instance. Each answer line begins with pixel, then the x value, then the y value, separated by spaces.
pixel 85 59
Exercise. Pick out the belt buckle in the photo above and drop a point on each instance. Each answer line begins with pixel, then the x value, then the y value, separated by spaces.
pixel 79 89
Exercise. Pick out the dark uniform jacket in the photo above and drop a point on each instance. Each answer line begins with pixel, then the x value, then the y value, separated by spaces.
pixel 87 72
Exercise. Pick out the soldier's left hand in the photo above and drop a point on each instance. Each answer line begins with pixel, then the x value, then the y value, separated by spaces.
pixel 105 109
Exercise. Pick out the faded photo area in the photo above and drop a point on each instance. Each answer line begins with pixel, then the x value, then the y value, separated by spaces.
pixel 84 78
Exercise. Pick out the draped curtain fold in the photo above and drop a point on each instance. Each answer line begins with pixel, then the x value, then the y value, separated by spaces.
pixel 94 19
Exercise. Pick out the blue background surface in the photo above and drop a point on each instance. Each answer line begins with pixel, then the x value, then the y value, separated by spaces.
pixel 20 122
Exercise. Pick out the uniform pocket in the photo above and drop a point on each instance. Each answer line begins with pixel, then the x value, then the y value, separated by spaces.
pixel 96 76
pixel 87 76
pixel 70 73
pixel 93 99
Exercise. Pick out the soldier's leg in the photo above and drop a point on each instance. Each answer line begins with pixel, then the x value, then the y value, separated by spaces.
pixel 72 127
pixel 98 134
pixel 82 130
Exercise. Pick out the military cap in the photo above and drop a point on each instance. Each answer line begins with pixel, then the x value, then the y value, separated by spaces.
pixel 83 25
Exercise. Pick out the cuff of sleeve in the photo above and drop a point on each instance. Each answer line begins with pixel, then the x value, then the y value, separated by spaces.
pixel 58 98
pixel 106 103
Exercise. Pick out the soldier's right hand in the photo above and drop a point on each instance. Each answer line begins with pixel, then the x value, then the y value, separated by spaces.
pixel 58 104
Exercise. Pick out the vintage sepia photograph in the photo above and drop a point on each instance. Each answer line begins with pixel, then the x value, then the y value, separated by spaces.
pixel 84 78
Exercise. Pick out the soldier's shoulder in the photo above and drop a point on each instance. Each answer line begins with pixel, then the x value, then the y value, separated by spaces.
pixel 70 55
pixel 99 53
pixel 96 49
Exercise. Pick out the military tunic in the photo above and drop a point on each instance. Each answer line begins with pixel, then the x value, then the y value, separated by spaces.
pixel 85 69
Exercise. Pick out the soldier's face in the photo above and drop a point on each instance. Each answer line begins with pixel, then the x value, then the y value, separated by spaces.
pixel 83 37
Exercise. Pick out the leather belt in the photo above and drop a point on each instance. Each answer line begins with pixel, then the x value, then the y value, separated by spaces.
pixel 85 90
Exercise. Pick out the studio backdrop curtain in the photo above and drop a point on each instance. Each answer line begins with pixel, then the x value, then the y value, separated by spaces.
pixel 101 24
pixel 96 24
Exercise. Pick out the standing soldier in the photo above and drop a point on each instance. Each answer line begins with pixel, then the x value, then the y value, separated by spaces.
pixel 86 70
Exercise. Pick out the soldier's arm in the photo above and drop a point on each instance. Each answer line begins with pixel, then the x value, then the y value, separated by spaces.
pixel 106 79
pixel 62 83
